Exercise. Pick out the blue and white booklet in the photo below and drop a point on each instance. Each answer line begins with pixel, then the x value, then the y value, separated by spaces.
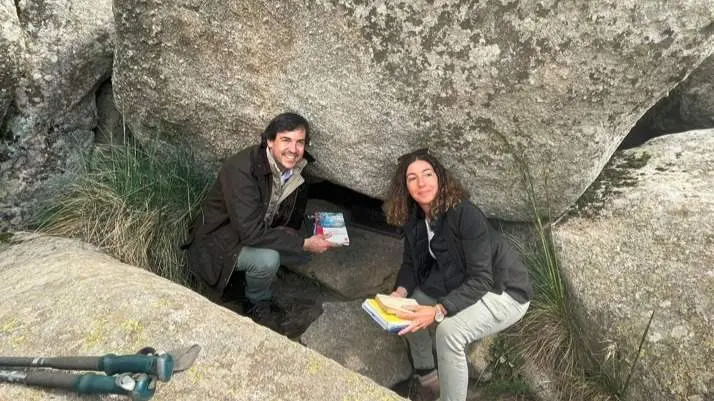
pixel 332 223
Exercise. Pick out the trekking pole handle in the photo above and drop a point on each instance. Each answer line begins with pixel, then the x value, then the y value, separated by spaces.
pixel 161 366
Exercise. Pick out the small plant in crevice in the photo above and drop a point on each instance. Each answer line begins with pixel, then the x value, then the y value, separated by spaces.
pixel 505 369
pixel 505 359
pixel 135 202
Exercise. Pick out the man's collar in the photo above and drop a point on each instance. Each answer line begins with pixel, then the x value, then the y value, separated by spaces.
pixel 271 161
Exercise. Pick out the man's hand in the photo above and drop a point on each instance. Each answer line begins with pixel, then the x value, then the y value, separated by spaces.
pixel 400 292
pixel 317 243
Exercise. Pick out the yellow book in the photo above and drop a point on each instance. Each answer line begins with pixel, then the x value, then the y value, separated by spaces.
pixel 387 321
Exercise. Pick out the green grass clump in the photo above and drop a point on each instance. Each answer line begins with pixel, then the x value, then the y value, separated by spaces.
pixel 551 334
pixel 134 202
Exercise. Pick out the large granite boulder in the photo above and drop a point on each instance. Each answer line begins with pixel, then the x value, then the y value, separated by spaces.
pixel 69 50
pixel 61 51
pixel 346 334
pixel 11 47
pixel 367 266
pixel 63 297
pixel 650 248
pixel 483 84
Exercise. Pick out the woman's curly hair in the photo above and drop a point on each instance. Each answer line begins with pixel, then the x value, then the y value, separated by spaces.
pixel 400 205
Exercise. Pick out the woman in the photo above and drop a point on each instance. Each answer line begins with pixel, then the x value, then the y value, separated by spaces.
pixel 461 271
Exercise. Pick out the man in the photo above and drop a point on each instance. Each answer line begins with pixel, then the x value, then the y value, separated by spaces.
pixel 251 215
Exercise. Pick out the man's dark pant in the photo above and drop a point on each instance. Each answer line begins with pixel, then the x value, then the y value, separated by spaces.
pixel 261 266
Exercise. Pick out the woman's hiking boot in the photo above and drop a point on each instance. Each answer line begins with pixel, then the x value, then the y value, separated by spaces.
pixel 425 388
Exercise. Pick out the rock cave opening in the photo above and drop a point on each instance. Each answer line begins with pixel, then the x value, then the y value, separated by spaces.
pixel 657 121
pixel 360 210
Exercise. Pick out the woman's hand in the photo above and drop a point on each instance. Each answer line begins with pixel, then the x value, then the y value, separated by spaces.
pixel 421 317
pixel 400 292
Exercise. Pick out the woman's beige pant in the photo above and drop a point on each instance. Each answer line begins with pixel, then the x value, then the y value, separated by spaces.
pixel 491 314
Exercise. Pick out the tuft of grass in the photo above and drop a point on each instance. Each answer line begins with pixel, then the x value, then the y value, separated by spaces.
pixel 135 202
pixel 551 334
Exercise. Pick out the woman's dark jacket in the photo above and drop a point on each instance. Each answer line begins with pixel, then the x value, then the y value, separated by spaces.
pixel 232 217
pixel 471 259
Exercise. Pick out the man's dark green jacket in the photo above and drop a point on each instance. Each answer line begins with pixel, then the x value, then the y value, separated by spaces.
pixel 232 216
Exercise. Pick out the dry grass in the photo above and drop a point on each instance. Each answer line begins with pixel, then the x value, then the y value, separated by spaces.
pixel 135 204
pixel 550 335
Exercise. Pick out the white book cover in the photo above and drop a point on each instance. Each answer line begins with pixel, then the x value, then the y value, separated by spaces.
pixel 396 304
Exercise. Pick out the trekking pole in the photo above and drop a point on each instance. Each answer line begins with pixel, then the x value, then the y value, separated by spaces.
pixel 139 387
pixel 161 366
